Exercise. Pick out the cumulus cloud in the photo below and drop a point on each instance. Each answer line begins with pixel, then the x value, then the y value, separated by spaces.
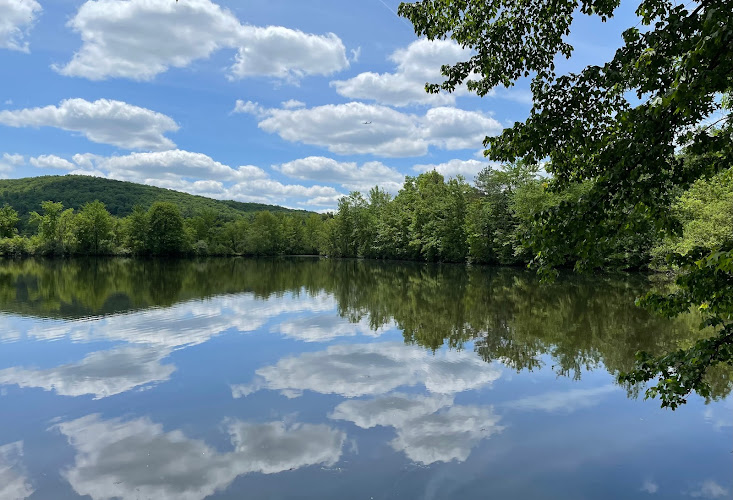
pixel 417 64
pixel 710 489
pixel 358 128
pixel 184 324
pixel 375 369
pixel 52 161
pixel 14 483
pixel 291 104
pixel 8 162
pixel 175 164
pixel 348 174
pixel 197 173
pixel 138 459
pixel 446 435
pixel 16 19
pixel 563 401
pixel 100 374
pixel 650 486
pixel 469 169
pixel 253 108
pixel 139 39
pixel 393 410
pixel 287 54
pixel 13 159
pixel 103 121
pixel 325 327
pixel 429 428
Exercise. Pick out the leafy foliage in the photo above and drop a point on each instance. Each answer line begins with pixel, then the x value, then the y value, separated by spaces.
pixel 8 222
pixel 592 132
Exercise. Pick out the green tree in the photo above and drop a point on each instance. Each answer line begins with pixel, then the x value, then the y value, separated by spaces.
pixel 135 227
pixel 54 227
pixel 8 222
pixel 438 211
pixel 93 228
pixel 264 235
pixel 593 129
pixel 166 234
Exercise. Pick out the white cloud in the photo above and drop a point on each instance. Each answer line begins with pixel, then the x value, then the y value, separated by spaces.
pixel 374 369
pixel 429 428
pixel 355 54
pixel 325 327
pixel 102 121
pixel 650 487
pixel 271 191
pixel 173 165
pixel 199 174
pixel 16 19
pixel 8 162
pixel 446 435
pixel 13 159
pixel 52 161
pixel 184 324
pixel 358 128
pixel 139 39
pixel 288 54
pixel 563 402
pixel 417 64
pixel 14 483
pixel 289 104
pixel 710 489
pixel 348 174
pixel 467 168
pixel 453 128
pixel 393 410
pixel 138 459
pixel 342 129
pixel 253 108
pixel 101 374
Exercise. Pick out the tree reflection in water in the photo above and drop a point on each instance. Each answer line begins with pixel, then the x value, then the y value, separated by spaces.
pixel 579 322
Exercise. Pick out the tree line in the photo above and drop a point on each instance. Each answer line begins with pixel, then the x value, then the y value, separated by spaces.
pixel 161 230
pixel 430 219
pixel 493 222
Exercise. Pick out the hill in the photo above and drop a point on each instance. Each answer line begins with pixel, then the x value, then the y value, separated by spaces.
pixel 25 195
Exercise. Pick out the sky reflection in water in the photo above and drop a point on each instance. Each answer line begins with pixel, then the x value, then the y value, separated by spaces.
pixel 339 379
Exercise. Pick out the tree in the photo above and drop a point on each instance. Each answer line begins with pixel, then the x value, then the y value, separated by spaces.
pixel 8 222
pixel 592 130
pixel 166 234
pixel 136 230
pixel 54 227
pixel 93 227
pixel 264 235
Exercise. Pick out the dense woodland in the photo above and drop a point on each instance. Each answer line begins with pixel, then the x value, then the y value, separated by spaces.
pixel 119 197
pixel 430 219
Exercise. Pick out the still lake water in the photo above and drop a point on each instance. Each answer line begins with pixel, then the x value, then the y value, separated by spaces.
pixel 323 379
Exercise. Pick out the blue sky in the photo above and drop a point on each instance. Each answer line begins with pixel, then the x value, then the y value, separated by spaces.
pixel 253 101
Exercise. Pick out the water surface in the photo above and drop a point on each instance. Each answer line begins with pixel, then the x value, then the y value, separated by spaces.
pixel 324 379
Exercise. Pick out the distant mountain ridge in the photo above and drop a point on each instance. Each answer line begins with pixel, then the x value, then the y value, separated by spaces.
pixel 25 195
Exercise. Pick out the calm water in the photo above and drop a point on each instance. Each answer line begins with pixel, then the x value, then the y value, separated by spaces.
pixel 273 379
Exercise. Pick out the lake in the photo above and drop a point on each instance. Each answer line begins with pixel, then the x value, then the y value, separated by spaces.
pixel 340 379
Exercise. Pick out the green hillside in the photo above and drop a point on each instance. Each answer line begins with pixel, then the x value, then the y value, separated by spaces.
pixel 25 195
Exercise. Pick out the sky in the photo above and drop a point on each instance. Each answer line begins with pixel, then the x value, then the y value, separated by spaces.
pixel 286 102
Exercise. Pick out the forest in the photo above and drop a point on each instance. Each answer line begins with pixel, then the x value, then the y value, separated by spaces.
pixel 432 219
pixel 119 197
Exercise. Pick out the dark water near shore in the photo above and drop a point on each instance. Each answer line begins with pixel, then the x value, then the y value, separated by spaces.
pixel 324 379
